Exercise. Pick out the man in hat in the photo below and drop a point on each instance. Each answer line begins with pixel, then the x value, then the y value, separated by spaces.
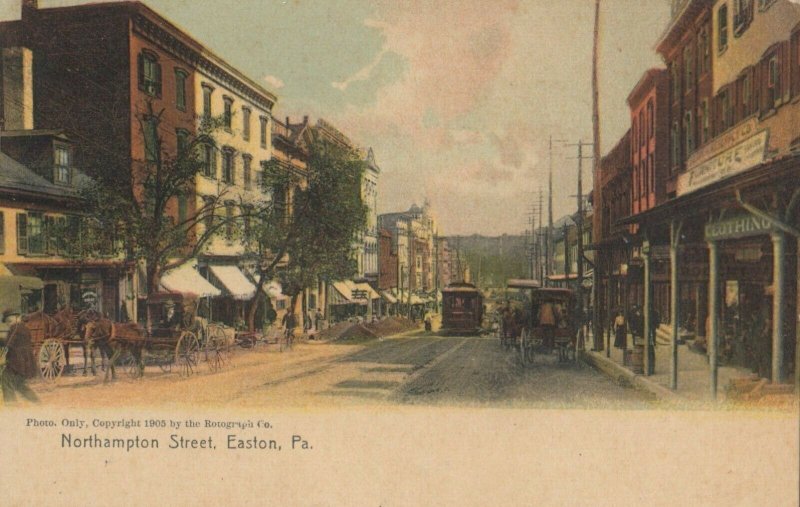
pixel 16 358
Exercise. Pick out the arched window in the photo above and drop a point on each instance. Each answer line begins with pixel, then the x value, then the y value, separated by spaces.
pixel 149 73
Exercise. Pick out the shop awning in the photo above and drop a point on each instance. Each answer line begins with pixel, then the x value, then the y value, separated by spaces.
pixel 186 280
pixel 233 281
pixel 416 300
pixel 371 293
pixel 389 297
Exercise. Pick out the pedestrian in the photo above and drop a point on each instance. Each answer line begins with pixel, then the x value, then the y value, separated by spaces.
pixel 289 323
pixel 17 363
pixel 318 317
pixel 547 321
pixel 655 321
pixel 620 331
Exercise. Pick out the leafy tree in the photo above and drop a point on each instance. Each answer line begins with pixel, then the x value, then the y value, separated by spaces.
pixel 145 220
pixel 306 231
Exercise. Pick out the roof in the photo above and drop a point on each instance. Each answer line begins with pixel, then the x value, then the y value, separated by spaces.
pixel 15 176
pixel 520 283
pixel 649 79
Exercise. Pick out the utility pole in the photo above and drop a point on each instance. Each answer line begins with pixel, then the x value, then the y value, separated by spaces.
pixel 579 237
pixel 597 338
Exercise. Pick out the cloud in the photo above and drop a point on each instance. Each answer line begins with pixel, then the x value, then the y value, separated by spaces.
pixel 274 81
pixel 362 75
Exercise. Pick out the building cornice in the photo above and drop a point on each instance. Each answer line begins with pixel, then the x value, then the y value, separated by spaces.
pixel 200 58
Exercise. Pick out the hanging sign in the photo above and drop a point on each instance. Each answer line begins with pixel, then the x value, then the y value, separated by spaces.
pixel 739 226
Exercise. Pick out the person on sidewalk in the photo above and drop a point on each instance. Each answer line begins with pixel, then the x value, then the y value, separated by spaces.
pixel 655 321
pixel 620 331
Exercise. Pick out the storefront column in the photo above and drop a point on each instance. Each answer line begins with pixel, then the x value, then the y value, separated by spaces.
pixel 675 231
pixel 648 308
pixel 778 296
pixel 713 304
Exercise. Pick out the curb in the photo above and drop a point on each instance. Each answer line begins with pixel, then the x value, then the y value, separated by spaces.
pixel 618 372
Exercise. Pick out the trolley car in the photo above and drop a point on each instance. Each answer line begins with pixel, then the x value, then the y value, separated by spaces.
pixel 462 309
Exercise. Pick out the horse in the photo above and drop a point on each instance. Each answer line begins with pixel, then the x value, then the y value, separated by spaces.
pixel 65 325
pixel 103 332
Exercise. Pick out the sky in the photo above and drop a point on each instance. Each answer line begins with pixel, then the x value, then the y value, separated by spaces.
pixel 458 98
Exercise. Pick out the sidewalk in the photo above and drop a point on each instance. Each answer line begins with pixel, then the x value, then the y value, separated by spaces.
pixel 694 378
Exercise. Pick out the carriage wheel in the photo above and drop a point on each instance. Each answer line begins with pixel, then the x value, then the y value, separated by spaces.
pixel 213 354
pixel 523 345
pixel 51 359
pixel 187 353
pixel 165 363
pixel 132 367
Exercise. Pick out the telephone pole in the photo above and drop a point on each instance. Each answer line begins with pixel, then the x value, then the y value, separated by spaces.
pixel 579 238
pixel 597 338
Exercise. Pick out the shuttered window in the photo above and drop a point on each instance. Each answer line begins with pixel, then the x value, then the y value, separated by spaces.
pixel 2 233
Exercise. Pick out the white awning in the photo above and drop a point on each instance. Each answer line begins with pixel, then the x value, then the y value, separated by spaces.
pixel 389 297
pixel 371 293
pixel 345 294
pixel 233 281
pixel 186 280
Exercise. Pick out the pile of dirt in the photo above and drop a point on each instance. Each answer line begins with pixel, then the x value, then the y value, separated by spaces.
pixel 391 325
pixel 355 333
pixel 334 332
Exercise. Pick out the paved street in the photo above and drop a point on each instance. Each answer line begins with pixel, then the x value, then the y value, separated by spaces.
pixel 419 369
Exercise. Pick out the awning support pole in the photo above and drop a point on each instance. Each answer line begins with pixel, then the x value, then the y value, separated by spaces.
pixel 675 233
pixel 713 292
pixel 778 277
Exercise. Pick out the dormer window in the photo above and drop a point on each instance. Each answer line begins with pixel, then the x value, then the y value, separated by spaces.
pixel 61 166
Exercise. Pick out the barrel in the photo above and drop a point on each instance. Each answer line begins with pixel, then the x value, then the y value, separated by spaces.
pixel 637 359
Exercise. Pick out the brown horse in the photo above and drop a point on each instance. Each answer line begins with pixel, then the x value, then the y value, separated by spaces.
pixel 103 332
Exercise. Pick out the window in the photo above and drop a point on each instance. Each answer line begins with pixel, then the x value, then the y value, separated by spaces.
pixel 675 155
pixel 208 212
pixel 151 140
pixel 794 70
pixel 774 93
pixel 247 162
pixel 635 134
pixel 742 15
pixel 722 28
pixel 207 90
pixel 688 134
pixel 688 66
pixel 676 82
pixel 246 211
pixel 227 165
pixel 641 128
pixel 747 95
pixel 2 233
pixel 227 116
pixel 182 135
pixel 228 221
pixel 149 74
pixel 30 233
pixel 61 171
pixel 246 123
pixel 180 89
pixel 705 122
pixel 652 167
pixel 703 51
pixel 725 111
pixel 263 131
pixel 209 161
pixel 51 235
pixel 182 206
pixel 651 119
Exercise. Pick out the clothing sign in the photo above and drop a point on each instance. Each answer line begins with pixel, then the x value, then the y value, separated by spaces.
pixel 730 162
pixel 739 226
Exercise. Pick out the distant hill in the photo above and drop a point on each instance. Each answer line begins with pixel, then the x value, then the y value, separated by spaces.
pixel 492 260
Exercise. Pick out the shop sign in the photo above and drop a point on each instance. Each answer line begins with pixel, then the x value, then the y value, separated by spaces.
pixel 739 226
pixel 740 157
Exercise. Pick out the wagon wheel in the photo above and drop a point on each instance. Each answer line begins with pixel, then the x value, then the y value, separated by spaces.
pixel 51 359
pixel 224 345
pixel 213 354
pixel 132 367
pixel 187 353
pixel 524 344
pixel 165 363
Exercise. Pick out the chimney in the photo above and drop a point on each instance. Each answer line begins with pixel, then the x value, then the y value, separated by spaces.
pixel 287 121
pixel 17 76
pixel 305 119
pixel 29 6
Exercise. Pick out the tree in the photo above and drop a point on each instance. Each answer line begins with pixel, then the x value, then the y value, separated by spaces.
pixel 157 219
pixel 306 231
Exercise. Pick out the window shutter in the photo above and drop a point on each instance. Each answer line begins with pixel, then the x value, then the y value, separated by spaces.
pixel 140 66
pixel 157 84
pixel 22 233
pixel 786 70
